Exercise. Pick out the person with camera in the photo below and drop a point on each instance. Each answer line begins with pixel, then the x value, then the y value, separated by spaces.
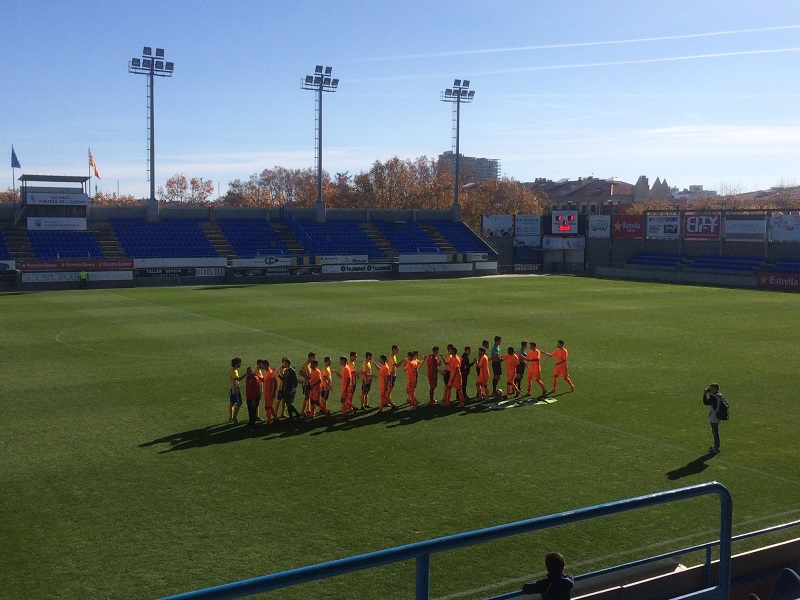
pixel 713 398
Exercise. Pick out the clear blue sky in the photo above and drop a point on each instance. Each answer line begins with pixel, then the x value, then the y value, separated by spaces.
pixel 691 91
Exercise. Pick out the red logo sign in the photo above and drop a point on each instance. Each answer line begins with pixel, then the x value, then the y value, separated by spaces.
pixel 779 281
pixel 701 226
pixel 77 264
pixel 626 226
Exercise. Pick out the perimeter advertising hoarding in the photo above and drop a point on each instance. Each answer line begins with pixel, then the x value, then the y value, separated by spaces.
pixel 77 264
pixel 498 225
pixel 343 259
pixel 599 226
pixel 550 242
pixel 56 224
pixel 663 226
pixel 423 257
pixel 779 281
pixel 528 230
pixel 702 226
pixel 344 269
pixel 51 277
pixel 276 272
pixel 44 198
pixel 431 268
pixel 181 272
pixel 750 228
pixel 784 228
pixel 626 226
pixel 263 261
pixel 7 265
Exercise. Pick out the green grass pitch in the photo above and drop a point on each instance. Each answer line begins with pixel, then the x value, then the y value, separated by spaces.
pixel 119 477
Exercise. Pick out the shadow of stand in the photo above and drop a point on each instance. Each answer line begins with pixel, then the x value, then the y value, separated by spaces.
pixel 698 465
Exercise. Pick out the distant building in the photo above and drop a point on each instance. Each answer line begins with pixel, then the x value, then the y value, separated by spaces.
pixel 593 196
pixel 693 193
pixel 472 169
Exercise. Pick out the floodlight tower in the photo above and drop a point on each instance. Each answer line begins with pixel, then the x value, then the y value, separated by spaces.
pixel 458 94
pixel 152 66
pixel 319 82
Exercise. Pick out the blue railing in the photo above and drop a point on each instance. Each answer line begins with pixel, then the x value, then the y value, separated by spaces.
pixel 300 234
pixel 421 551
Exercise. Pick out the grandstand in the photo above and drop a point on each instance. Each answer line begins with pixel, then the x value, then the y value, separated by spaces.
pixel 253 237
pixel 340 236
pixel 459 236
pixel 787 265
pixel 64 244
pixel 163 239
pixel 4 254
pixel 407 237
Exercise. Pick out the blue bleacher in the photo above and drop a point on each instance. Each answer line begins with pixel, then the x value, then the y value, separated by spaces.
pixel 787 265
pixel 4 255
pixel 64 244
pixel 340 236
pixel 460 237
pixel 406 236
pixel 657 259
pixel 726 263
pixel 164 239
pixel 252 237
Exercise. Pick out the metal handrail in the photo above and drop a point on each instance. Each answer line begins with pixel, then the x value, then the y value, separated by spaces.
pixel 421 551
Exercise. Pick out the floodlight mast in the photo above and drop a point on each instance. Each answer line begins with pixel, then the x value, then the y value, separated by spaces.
pixel 458 94
pixel 152 66
pixel 320 81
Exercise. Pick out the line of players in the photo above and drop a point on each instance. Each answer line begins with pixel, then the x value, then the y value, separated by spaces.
pixel 316 380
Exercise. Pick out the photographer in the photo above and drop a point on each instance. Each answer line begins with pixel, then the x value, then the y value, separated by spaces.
pixel 712 398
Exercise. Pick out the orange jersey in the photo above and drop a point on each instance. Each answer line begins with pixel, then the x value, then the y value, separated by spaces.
pixel 347 376
pixel 270 380
pixel 411 372
pixel 483 369
pixel 561 355
pixel 385 372
pixel 534 357
pixel 511 361
pixel 314 381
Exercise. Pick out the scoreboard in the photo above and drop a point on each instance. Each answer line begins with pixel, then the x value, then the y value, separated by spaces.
pixel 565 222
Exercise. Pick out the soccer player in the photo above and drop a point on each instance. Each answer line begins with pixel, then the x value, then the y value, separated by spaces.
pixel 326 385
pixel 446 365
pixel 523 351
pixel 411 367
pixel 346 375
pixel 482 369
pixel 304 373
pixel 511 360
pixel 234 391
pixel 495 358
pixel 533 358
pixel 366 380
pixel 385 374
pixel 314 384
pixel 353 376
pixel 560 369
pixel 252 386
pixel 454 378
pixel 279 372
pixel 270 385
pixel 289 386
pixel 466 366
pixel 393 366
pixel 432 362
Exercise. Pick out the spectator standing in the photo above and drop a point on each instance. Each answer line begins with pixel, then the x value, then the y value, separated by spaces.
pixel 557 585
pixel 712 398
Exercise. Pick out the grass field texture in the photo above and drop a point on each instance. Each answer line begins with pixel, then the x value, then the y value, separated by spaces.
pixel 120 477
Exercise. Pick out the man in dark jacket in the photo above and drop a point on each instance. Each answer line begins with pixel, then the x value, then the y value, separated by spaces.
pixel 556 586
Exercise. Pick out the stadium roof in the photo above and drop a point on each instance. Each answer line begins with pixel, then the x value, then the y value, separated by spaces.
pixel 55 178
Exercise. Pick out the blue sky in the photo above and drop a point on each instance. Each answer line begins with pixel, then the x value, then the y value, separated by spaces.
pixel 694 92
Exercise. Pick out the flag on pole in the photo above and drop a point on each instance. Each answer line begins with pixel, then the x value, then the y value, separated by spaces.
pixel 14 160
pixel 93 165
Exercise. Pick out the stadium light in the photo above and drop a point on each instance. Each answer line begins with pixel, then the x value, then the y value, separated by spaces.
pixel 458 94
pixel 320 81
pixel 152 67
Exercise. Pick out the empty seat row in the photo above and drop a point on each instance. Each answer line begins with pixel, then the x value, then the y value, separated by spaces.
pixel 252 237
pixel 406 236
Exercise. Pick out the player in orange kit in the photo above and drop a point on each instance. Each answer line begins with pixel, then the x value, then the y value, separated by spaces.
pixel 560 370
pixel 482 369
pixel 454 377
pixel 533 359
pixel 412 371
pixel 511 361
pixel 270 385
pixel 314 385
pixel 385 384
pixel 346 375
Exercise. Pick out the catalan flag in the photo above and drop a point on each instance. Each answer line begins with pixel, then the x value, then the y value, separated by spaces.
pixel 93 165
pixel 14 160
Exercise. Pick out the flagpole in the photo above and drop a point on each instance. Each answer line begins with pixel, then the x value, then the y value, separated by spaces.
pixel 90 172
pixel 13 175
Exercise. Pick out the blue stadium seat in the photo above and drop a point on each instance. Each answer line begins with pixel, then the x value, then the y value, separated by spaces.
pixel 460 237
pixel 406 236
pixel 252 237
pixel 171 238
pixel 342 236
pixel 64 244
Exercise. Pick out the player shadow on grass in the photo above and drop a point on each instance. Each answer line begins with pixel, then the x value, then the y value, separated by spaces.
pixel 698 465
pixel 197 438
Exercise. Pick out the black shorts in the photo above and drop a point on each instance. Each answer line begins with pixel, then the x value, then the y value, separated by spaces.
pixel 392 379
pixel 365 386
pixel 497 368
